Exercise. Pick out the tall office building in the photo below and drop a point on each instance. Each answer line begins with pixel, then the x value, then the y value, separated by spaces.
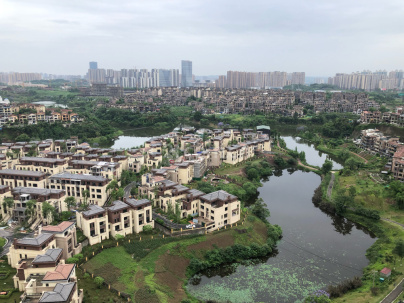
pixel 93 65
pixel 186 73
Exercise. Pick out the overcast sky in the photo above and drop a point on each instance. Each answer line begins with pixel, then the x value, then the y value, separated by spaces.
pixel 318 37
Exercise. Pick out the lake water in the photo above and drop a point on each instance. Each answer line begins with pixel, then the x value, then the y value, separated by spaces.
pixel 50 103
pixel 129 142
pixel 313 156
pixel 316 250
pixel 136 137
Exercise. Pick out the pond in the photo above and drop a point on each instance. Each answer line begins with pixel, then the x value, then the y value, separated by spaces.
pixel 50 103
pixel 317 249
pixel 313 156
pixel 136 137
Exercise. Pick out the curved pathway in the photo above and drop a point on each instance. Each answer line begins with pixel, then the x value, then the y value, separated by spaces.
pixel 330 185
pixel 366 161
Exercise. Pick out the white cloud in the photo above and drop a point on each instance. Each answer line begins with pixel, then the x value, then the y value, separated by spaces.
pixel 319 37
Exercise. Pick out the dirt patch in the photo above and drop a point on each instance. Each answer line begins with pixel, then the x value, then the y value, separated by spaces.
pixel 111 274
pixel 146 295
pixel 170 272
pixel 261 229
pixel 220 240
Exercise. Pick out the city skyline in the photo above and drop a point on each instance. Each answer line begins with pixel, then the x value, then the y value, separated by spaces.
pixel 319 38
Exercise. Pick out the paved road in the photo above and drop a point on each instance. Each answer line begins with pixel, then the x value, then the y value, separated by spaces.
pixel 330 185
pixel 9 236
pixel 394 293
pixel 388 220
pixel 128 188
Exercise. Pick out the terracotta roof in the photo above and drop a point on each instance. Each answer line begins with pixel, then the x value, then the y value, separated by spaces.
pixel 58 228
pixel 61 272
pixel 385 271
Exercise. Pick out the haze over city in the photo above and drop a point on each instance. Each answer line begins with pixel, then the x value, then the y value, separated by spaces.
pixel 319 38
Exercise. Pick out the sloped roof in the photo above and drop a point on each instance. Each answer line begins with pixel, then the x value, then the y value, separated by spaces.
pixel 61 272
pixel 38 241
pixel 60 293
pixel 58 228
pixel 51 255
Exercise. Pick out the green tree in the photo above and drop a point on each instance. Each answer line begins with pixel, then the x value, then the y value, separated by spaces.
pixel 86 194
pixel 352 163
pixel 48 209
pixel 118 194
pixel 317 299
pixel 352 192
pixel 22 138
pixel 399 249
pixel 30 210
pixel 260 209
pixel 99 281
pixel 198 116
pixel 327 167
pixel 177 212
pixel 70 202
pixel 341 202
pixel 8 202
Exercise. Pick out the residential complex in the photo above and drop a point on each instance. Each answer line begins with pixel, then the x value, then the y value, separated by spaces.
pixel 42 272
pixel 261 80
pixel 245 101
pixel 134 78
pixel 369 81
pixel 28 113
pixel 375 142
pixel 56 173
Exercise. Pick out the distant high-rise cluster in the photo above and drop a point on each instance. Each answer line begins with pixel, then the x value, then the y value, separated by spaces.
pixel 369 81
pixel 134 78
pixel 186 73
pixel 93 65
pixel 18 78
pixel 235 79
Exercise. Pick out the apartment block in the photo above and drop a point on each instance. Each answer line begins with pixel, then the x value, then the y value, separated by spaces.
pixel 141 211
pixel 94 223
pixel 19 178
pixel 29 248
pixel 75 184
pixel 120 219
pixel 65 236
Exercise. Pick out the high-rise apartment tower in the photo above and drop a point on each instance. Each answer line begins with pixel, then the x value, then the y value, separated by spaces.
pixel 186 73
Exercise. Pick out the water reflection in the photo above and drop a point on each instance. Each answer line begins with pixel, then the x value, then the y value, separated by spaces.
pixel 313 156
pixel 317 249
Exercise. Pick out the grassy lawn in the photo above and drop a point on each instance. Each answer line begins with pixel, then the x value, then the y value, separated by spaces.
pixel 227 169
pixel 384 247
pixel 159 276
pixel 2 242
pixel 370 194
pixel 8 283
pixel 92 293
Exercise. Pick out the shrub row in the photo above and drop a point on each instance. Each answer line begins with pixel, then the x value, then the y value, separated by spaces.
pixel 9 293
pixel 372 214
pixel 342 288
pixel 6 274
pixel 229 254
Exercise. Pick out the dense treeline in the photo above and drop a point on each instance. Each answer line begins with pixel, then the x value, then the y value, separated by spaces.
pixel 122 117
pixel 42 130
pixel 229 254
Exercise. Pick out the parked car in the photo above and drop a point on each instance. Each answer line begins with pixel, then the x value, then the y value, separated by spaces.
pixel 190 226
